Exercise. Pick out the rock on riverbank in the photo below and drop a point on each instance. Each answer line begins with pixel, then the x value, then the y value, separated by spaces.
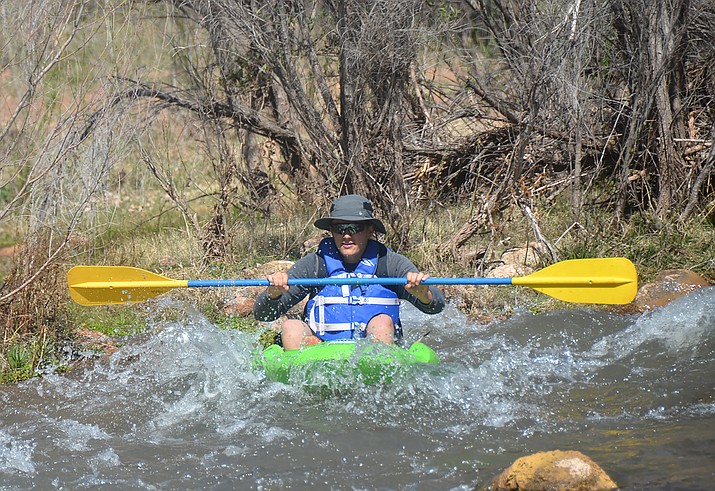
pixel 667 286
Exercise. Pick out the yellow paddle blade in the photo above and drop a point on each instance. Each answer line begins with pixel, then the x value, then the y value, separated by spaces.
pixel 104 285
pixel 600 280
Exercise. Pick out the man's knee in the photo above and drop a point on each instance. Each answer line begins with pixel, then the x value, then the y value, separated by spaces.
pixel 295 334
pixel 382 328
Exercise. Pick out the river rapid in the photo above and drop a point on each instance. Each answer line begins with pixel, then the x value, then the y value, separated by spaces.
pixel 182 407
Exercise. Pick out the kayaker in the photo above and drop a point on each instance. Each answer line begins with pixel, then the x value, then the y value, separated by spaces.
pixel 344 312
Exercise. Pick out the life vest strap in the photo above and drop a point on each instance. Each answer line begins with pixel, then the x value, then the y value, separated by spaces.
pixel 353 300
pixel 343 326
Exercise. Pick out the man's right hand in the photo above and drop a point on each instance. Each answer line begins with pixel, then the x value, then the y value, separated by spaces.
pixel 279 285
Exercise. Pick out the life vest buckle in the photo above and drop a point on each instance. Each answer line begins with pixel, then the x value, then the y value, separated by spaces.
pixel 357 300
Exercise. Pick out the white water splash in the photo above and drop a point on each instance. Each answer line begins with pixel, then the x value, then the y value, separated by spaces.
pixel 75 436
pixel 15 455
pixel 678 327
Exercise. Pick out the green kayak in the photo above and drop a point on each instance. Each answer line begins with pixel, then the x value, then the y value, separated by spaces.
pixel 333 361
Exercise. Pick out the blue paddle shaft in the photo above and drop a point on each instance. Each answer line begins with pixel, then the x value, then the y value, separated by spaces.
pixel 351 281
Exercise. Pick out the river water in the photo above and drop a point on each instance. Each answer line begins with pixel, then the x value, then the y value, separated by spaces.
pixel 182 407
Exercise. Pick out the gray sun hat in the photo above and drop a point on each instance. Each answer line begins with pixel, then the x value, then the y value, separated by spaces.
pixel 350 208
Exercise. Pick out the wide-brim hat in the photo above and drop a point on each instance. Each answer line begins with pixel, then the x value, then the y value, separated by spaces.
pixel 350 208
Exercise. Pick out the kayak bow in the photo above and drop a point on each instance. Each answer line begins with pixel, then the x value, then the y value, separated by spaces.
pixel 335 360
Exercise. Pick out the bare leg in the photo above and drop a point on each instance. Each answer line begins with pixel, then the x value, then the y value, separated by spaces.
pixel 382 328
pixel 296 334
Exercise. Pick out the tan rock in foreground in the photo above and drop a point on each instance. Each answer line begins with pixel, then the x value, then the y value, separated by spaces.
pixel 556 470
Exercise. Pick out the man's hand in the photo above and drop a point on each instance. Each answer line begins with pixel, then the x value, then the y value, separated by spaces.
pixel 279 285
pixel 415 287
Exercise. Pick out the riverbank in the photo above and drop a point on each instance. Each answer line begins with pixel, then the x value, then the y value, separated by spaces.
pixel 273 242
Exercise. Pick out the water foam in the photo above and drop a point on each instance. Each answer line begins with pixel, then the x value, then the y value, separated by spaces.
pixel 681 326
pixel 15 455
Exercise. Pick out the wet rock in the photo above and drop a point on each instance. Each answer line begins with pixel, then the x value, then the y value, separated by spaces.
pixel 481 304
pixel 95 341
pixel 556 470
pixel 668 286
pixel 239 305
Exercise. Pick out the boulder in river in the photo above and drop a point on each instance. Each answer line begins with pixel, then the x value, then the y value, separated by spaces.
pixel 555 470
pixel 668 285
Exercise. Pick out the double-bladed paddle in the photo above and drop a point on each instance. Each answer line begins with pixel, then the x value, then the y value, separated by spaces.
pixel 597 281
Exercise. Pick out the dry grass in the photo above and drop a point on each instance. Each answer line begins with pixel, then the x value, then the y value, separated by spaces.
pixel 34 322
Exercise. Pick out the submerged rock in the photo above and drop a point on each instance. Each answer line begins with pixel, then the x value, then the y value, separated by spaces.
pixel 556 470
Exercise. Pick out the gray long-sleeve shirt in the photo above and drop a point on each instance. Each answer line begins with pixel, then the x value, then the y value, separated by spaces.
pixel 313 266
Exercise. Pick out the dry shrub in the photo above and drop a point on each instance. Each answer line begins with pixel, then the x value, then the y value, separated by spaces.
pixel 33 309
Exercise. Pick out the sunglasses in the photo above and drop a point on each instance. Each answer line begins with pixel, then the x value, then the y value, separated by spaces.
pixel 347 228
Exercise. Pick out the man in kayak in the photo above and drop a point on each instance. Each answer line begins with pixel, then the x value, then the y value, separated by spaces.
pixel 345 312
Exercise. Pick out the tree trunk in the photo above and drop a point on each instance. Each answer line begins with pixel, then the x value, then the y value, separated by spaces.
pixel 666 25
pixel 576 178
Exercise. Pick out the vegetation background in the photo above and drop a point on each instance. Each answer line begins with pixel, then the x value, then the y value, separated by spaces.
pixel 201 138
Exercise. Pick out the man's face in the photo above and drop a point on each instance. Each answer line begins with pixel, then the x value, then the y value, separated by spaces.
pixel 351 238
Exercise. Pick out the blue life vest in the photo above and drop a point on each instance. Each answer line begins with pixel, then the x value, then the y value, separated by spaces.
pixel 343 311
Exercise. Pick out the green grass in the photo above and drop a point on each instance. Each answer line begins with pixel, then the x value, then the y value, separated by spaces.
pixel 19 363
pixel 111 320
pixel 651 244
pixel 23 358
